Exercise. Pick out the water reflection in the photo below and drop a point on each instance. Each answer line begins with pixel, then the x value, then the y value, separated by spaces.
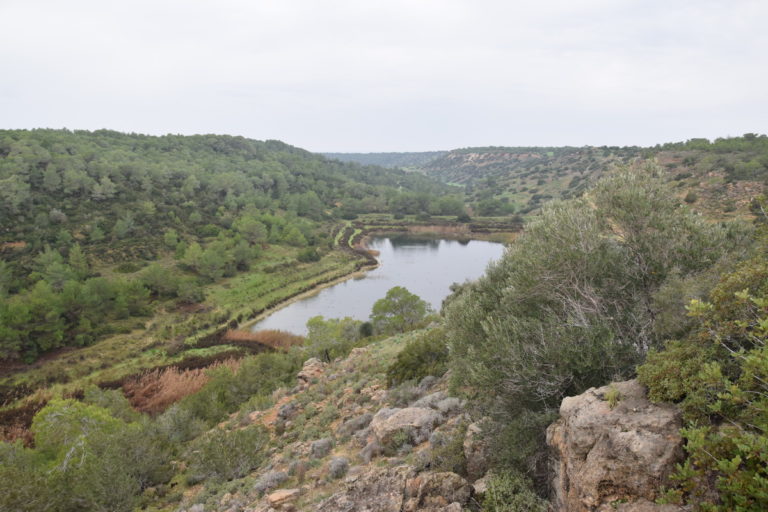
pixel 426 266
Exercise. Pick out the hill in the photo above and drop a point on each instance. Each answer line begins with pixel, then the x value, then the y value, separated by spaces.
pixel 97 229
pixel 415 160
pixel 718 176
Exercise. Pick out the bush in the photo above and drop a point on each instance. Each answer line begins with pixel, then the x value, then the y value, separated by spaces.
pixel 221 455
pixel 691 197
pixel 426 355
pixel 331 338
pixel 308 255
pixel 447 453
pixel 84 459
pixel 571 304
pixel 718 375
pixel 399 311
pixel 511 492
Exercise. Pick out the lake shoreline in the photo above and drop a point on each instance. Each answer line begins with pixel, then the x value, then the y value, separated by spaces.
pixel 334 305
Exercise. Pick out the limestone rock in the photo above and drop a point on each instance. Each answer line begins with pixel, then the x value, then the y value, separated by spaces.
pixel 312 369
pixel 283 496
pixel 641 505
pixel 411 425
pixel 378 490
pixel 480 487
pixel 606 457
pixel 475 452
pixel 433 492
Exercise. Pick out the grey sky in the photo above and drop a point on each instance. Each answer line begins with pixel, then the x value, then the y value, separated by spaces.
pixel 394 75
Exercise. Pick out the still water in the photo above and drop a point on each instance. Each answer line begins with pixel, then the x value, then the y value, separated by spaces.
pixel 426 267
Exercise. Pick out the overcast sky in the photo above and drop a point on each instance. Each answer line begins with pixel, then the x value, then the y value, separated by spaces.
pixel 392 75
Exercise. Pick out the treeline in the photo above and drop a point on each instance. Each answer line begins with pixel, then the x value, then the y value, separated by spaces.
pixel 740 158
pixel 56 185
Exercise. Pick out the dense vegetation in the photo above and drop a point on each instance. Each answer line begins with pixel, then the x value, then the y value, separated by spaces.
pixel 203 207
pixel 718 373
pixel 577 301
pixel 99 453
pixel 519 180
pixel 393 159
pixel 99 229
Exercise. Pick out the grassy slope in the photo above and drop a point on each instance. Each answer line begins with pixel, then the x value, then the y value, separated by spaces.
pixel 176 335
pixel 273 278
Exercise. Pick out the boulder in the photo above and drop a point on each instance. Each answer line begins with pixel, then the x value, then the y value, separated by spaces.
pixel 475 452
pixel 396 427
pixel 604 457
pixel 433 492
pixel 313 368
pixel 377 490
pixel 283 496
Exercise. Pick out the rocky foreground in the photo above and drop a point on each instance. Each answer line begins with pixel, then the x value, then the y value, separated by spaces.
pixel 344 443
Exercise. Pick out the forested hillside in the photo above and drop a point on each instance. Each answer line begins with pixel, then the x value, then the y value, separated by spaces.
pixel 594 288
pixel 716 176
pixel 82 214
pixel 415 160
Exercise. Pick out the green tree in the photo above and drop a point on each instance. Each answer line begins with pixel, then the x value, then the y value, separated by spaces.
pixel 78 261
pixel 170 238
pixel 6 278
pixel 399 311
pixel 252 230
pixel 571 304
pixel 331 338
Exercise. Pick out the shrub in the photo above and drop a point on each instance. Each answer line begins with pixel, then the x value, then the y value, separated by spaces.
pixel 691 197
pixel 84 459
pixel 332 338
pixel 511 492
pixel 718 375
pixel 571 304
pixel 221 455
pixel 399 311
pixel 308 255
pixel 448 453
pixel 426 355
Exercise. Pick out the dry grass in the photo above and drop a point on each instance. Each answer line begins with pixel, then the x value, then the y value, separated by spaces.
pixel 157 390
pixel 12 433
pixel 278 340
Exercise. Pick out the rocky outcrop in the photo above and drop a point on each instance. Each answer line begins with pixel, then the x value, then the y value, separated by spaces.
pixel 435 492
pixel 476 452
pixel 412 425
pixel 375 491
pixel 400 489
pixel 313 368
pixel 613 453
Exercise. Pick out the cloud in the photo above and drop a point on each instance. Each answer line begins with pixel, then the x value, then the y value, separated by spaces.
pixel 389 75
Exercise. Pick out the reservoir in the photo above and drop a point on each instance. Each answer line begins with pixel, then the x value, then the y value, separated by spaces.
pixel 425 266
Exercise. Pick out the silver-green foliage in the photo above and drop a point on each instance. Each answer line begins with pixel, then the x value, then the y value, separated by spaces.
pixel 570 305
